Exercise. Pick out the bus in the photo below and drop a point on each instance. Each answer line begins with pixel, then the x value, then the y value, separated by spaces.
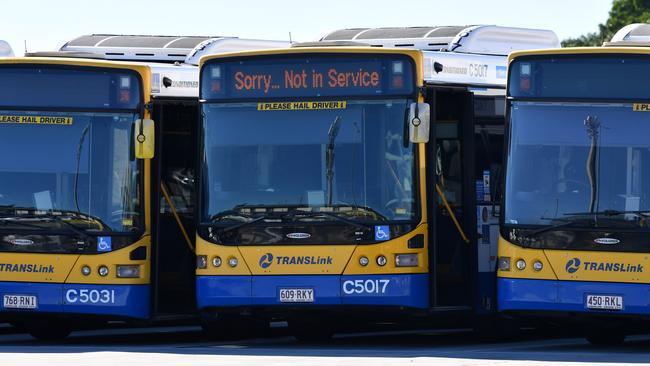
pixel 574 227
pixel 97 200
pixel 353 178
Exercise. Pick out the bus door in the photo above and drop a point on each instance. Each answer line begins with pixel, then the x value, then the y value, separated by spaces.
pixel 172 183
pixel 489 118
pixel 451 192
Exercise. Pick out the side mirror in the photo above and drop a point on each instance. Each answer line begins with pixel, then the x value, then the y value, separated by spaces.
pixel 419 114
pixel 144 139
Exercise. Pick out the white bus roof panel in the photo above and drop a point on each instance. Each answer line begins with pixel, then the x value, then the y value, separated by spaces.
pixel 174 81
pixel 479 39
pixel 637 34
pixel 215 46
pixel 463 69
pixel 5 49
pixel 135 47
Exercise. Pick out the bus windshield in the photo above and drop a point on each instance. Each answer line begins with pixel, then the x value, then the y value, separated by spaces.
pixel 347 158
pixel 587 162
pixel 75 162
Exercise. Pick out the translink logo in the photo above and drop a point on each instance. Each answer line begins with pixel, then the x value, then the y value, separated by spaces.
pixel 268 259
pixel 574 264
pixel 26 268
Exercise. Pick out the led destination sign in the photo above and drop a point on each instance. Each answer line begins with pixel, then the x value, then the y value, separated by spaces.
pixel 307 76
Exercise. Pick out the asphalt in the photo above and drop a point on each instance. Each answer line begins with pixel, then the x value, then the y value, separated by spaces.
pixel 188 346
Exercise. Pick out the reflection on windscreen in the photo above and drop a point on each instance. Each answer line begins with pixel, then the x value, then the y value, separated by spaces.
pixel 280 158
pixel 80 162
pixel 549 161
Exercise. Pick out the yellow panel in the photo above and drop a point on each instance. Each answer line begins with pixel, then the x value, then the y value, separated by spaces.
pixel 224 252
pixel 111 260
pixel 327 259
pixel 514 252
pixel 32 267
pixel 389 249
pixel 600 266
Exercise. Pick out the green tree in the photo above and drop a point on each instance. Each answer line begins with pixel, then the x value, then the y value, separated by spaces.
pixel 623 12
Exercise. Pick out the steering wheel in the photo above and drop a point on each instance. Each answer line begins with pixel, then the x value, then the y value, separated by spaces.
pixel 394 203
pixel 576 183
pixel 118 215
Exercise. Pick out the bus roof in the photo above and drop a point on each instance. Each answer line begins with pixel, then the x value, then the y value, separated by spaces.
pixel 224 45
pixel 135 47
pixel 173 60
pixel 455 55
pixel 632 35
pixel 5 49
pixel 476 39
pixel 580 51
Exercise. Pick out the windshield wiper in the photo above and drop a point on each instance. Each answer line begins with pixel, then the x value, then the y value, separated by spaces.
pixel 6 220
pixel 610 212
pixel 71 226
pixel 16 220
pixel 331 215
pixel 564 223
pixel 10 213
pixel 329 157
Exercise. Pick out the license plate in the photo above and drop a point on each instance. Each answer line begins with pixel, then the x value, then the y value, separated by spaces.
pixel 604 302
pixel 297 295
pixel 19 302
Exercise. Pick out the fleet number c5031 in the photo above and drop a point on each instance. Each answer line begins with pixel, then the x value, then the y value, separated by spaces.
pixel 86 296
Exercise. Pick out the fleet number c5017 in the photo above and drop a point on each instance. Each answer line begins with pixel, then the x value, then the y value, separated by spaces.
pixel 365 286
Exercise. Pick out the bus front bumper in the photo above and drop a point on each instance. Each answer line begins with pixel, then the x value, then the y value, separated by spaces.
pixel 525 295
pixel 130 301
pixel 409 290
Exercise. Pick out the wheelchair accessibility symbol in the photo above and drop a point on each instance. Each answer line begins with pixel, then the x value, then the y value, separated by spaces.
pixel 382 232
pixel 104 244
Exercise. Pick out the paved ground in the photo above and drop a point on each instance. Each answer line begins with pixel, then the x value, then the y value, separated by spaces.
pixel 187 346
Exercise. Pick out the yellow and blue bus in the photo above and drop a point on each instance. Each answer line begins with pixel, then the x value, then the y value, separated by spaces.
pixel 92 212
pixel 353 177
pixel 575 229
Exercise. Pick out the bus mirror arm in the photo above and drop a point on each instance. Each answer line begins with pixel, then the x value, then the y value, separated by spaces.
pixel 144 138
pixel 418 122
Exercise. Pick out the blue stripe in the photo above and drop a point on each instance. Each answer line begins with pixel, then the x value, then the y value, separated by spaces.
pixel 569 296
pixel 110 300
pixel 410 290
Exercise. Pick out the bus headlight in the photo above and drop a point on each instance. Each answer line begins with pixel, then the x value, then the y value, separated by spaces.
pixel 406 260
pixel 381 261
pixel 216 261
pixel 504 263
pixel 128 271
pixel 363 261
pixel 85 270
pixel 201 262
pixel 537 266
pixel 232 262
pixel 103 271
pixel 521 264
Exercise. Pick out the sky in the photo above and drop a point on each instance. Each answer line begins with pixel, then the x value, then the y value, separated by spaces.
pixel 46 24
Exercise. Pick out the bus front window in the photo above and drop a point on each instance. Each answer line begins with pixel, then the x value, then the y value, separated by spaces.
pixel 74 162
pixel 353 157
pixel 588 163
